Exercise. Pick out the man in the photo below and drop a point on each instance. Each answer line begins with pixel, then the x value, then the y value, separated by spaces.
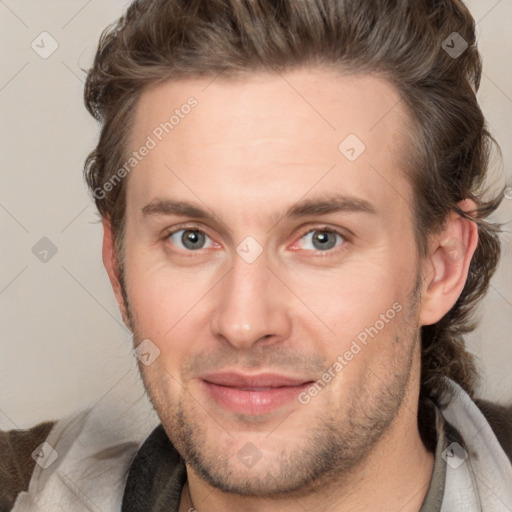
pixel 296 234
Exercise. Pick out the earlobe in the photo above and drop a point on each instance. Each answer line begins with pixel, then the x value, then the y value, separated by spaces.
pixel 447 265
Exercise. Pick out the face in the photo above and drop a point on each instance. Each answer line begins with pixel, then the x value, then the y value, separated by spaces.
pixel 270 260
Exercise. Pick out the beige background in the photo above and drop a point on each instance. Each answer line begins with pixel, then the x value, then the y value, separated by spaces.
pixel 63 344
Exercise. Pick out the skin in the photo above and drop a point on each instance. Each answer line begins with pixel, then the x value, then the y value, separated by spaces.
pixel 250 150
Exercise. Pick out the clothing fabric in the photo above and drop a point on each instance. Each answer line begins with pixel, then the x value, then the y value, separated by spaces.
pixel 116 456
pixel 16 463
pixel 95 450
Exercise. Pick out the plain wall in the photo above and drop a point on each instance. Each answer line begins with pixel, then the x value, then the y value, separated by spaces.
pixel 64 346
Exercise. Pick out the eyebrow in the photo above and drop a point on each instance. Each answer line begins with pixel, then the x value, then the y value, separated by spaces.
pixel 304 208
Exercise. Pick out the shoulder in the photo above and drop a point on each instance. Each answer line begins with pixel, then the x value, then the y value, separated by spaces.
pixel 16 462
pixel 500 420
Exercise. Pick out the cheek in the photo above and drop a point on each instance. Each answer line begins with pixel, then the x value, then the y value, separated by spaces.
pixel 353 296
pixel 162 298
pixel 364 309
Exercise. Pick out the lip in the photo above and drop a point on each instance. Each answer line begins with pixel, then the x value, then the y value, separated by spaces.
pixel 252 394
pixel 261 380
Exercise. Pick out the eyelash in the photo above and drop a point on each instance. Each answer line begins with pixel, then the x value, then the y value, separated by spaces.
pixel 319 254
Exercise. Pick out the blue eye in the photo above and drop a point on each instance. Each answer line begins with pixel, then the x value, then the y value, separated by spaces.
pixel 323 239
pixel 190 239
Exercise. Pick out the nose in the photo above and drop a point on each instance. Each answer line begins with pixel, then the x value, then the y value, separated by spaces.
pixel 253 306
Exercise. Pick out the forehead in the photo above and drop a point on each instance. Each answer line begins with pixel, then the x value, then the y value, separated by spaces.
pixel 244 140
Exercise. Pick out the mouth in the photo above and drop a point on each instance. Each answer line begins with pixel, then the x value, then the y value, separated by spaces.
pixel 253 395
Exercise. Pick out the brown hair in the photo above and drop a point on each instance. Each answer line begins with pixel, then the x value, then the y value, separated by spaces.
pixel 158 40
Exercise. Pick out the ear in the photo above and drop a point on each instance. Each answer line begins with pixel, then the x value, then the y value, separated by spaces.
pixel 447 264
pixel 110 262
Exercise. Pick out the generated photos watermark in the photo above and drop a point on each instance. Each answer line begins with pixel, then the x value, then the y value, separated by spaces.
pixel 343 360
pixel 151 142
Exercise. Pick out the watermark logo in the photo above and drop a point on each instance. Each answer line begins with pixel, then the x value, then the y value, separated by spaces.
pixel 454 45
pixel 352 147
pixel 249 455
pixel 44 45
pixel 454 455
pixel 45 455
pixel 249 249
pixel 44 250
pixel 147 352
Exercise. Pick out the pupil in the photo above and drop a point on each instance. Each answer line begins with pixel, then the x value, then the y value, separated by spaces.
pixel 323 239
pixel 191 239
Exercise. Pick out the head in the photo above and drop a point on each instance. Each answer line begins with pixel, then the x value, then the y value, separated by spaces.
pixel 267 98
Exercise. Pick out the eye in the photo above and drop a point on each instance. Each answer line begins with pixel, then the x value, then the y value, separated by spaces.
pixel 190 239
pixel 322 239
